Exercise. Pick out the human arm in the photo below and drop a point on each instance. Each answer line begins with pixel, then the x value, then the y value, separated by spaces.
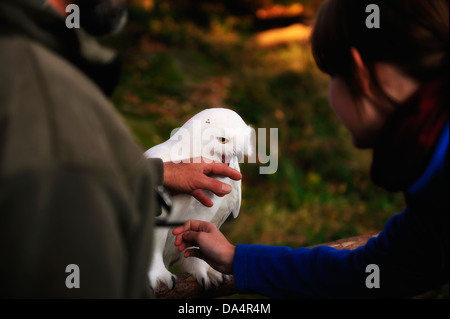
pixel 268 270
pixel 408 264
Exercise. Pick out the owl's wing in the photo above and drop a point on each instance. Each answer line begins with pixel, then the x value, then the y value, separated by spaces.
pixel 237 206
pixel 236 185
pixel 230 205
pixel 231 202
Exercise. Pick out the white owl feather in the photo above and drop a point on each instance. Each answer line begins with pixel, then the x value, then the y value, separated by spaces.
pixel 217 134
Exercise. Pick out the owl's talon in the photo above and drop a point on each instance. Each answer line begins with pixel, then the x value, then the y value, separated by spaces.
pixel 174 283
pixel 203 284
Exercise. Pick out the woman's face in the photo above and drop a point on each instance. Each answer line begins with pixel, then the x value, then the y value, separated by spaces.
pixel 362 117
pixel 365 117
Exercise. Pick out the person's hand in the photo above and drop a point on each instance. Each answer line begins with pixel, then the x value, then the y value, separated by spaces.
pixel 208 242
pixel 194 177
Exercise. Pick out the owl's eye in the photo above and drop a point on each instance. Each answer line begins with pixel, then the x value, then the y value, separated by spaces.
pixel 222 140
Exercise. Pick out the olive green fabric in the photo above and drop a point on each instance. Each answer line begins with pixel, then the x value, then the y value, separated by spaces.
pixel 75 187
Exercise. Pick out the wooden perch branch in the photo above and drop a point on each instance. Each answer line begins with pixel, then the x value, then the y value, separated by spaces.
pixel 350 243
pixel 187 287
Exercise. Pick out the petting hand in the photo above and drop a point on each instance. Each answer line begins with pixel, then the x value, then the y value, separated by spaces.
pixel 212 245
pixel 192 178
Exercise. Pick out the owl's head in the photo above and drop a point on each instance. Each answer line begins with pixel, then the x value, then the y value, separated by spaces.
pixel 218 134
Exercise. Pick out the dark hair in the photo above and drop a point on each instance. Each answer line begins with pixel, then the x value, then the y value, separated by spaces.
pixel 413 35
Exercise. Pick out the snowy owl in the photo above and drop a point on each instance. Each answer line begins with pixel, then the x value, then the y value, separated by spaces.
pixel 217 134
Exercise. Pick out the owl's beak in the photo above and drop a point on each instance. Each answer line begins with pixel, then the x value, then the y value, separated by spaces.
pixel 225 160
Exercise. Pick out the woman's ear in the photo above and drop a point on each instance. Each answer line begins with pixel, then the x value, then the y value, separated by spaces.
pixel 362 73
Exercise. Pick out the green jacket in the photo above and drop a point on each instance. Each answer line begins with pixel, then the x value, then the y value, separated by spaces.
pixel 75 187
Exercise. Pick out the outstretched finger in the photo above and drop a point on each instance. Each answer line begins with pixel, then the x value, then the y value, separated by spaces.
pixel 182 244
pixel 213 185
pixel 180 229
pixel 222 170
pixel 202 198
pixel 192 224
pixel 186 240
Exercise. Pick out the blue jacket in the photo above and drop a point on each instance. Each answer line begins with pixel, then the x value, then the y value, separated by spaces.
pixel 412 252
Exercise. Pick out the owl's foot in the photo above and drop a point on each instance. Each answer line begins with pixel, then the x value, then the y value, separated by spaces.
pixel 161 276
pixel 202 272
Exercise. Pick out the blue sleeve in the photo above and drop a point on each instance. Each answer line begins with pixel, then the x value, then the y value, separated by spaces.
pixel 407 264
pixel 412 252
pixel 282 272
